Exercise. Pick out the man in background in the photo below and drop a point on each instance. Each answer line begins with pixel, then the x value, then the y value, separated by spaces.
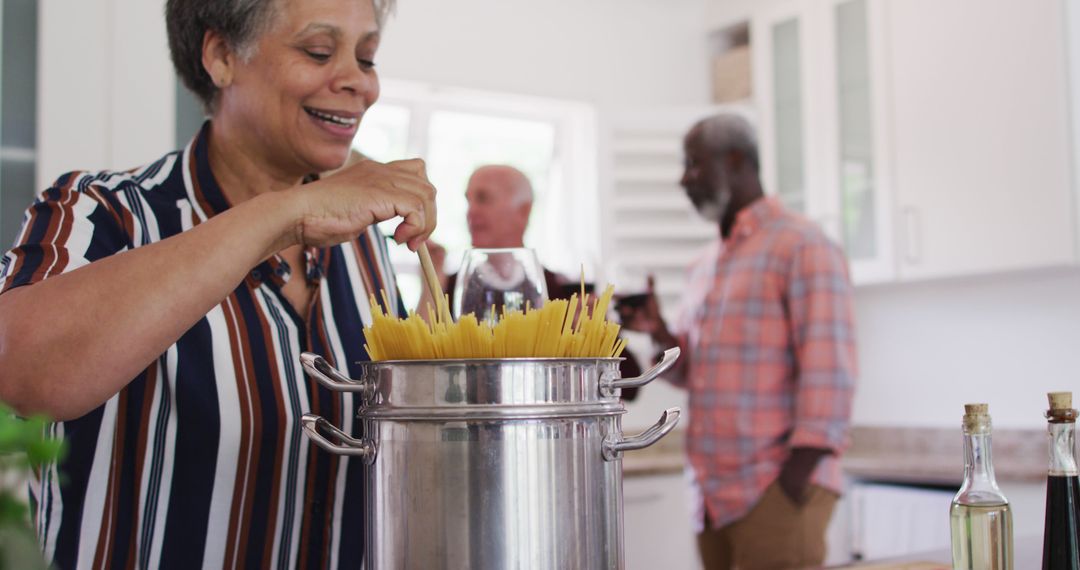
pixel 500 199
pixel 768 359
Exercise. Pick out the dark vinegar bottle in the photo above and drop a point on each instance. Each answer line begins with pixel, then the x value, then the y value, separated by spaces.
pixel 1061 535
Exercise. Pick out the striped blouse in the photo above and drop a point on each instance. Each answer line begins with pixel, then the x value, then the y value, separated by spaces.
pixel 200 462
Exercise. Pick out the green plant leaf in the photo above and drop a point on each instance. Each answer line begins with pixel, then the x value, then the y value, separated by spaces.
pixel 19 549
pixel 45 450
pixel 12 510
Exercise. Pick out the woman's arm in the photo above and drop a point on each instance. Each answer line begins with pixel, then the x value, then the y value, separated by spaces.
pixel 70 342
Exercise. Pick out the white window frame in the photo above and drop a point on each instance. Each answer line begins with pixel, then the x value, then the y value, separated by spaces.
pixel 572 231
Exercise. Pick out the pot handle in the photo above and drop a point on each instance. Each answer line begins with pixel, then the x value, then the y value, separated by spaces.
pixel 614 445
pixel 350 446
pixel 318 368
pixel 609 385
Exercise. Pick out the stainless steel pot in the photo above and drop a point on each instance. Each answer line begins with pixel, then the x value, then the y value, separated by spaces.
pixel 490 464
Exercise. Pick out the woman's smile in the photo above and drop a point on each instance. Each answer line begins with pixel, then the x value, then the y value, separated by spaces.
pixel 339 124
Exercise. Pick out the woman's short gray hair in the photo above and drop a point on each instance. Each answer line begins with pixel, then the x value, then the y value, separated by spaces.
pixel 240 23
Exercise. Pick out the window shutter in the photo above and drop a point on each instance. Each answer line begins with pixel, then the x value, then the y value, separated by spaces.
pixel 650 225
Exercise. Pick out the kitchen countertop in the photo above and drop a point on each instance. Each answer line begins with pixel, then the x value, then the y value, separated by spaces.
pixel 1027 553
pixel 936 455
pixel 664 457
pixel 927 456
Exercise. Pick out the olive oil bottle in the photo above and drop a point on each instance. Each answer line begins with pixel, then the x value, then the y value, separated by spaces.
pixel 980 517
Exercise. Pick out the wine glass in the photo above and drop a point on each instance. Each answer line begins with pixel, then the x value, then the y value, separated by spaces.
pixel 498 279
pixel 631 288
pixel 630 281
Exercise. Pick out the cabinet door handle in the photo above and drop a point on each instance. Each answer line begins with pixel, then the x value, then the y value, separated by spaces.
pixel 912 235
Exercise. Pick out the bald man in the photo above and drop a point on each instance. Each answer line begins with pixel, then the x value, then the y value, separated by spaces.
pixel 500 200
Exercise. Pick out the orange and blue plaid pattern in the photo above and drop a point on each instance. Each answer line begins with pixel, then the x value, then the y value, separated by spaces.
pixel 772 358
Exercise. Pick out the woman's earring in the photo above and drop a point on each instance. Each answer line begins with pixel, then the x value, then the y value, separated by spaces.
pixel 221 81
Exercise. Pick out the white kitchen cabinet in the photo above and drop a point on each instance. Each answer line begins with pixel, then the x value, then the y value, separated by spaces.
pixel 658 533
pixel 980 118
pixel 656 516
pixel 895 520
pixel 930 137
pixel 18 94
pixel 857 172
pixel 824 142
pixel 783 94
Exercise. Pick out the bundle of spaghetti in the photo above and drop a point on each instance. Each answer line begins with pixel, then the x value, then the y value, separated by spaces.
pixel 574 328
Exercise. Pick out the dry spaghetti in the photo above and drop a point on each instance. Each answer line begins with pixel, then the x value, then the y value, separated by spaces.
pixel 574 328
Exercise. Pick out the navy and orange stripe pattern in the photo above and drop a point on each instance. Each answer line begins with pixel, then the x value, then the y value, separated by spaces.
pixel 199 462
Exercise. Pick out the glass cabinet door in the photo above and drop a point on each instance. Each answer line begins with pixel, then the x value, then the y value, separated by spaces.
pixel 859 176
pixel 856 128
pixel 787 109
pixel 18 110
pixel 820 75
pixel 779 42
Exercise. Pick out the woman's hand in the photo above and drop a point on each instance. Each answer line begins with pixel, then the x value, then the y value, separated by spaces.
pixel 180 279
pixel 339 207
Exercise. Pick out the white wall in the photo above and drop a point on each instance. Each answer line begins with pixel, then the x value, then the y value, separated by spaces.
pixel 723 13
pixel 72 89
pixel 105 86
pixel 926 349
pixel 143 88
pixel 107 100
pixel 615 54
pixel 606 52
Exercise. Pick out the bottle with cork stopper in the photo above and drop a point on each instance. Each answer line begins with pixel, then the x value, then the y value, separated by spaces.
pixel 1061 534
pixel 980 517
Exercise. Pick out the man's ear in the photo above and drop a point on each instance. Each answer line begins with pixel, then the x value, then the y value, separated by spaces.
pixel 218 59
pixel 525 210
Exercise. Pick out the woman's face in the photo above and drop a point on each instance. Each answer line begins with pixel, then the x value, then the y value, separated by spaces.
pixel 300 96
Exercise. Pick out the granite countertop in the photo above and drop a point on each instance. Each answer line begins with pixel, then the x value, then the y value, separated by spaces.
pixel 664 457
pixel 936 455
pixel 926 456
pixel 1027 553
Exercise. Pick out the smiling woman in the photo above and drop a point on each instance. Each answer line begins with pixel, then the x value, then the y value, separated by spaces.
pixel 290 76
pixel 180 294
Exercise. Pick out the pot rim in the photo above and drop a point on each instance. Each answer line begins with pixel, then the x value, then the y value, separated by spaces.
pixel 515 360
pixel 490 412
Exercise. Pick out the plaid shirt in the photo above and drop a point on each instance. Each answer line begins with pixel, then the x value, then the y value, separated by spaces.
pixel 767 324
